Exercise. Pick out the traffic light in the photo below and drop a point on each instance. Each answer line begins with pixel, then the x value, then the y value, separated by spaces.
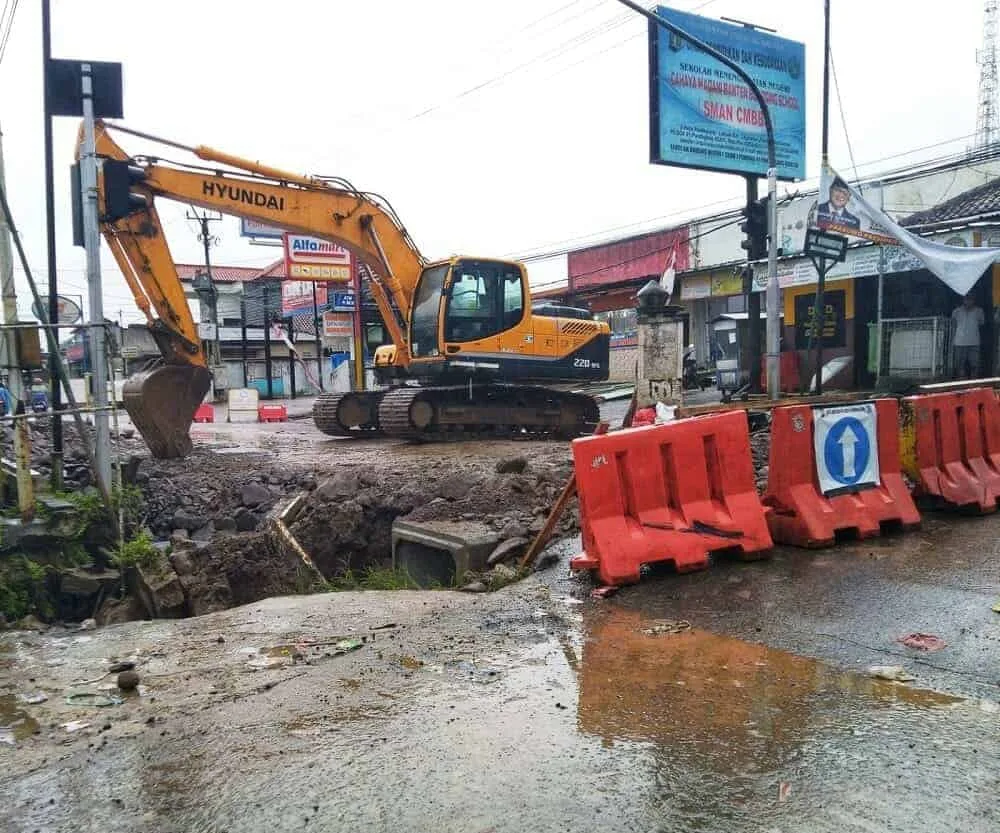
pixel 119 200
pixel 755 230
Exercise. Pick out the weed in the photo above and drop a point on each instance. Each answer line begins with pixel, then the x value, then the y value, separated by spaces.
pixel 139 551
pixel 373 578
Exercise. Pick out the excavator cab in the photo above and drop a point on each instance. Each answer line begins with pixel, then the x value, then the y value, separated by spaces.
pixel 464 305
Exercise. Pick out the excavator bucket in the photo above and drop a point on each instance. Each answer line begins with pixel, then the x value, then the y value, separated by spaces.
pixel 161 404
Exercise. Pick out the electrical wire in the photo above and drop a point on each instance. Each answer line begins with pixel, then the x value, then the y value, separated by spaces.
pixel 843 118
pixel 6 32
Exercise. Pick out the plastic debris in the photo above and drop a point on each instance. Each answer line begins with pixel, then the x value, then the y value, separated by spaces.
pixel 603 592
pixel 32 698
pixel 667 626
pixel 7 736
pixel 996 607
pixel 346 645
pixel 893 673
pixel 784 790
pixel 922 641
pixel 92 698
pixel 411 663
pixel 75 725
pixel 644 416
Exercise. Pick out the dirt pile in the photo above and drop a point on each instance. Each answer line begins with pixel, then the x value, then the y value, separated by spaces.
pixel 210 492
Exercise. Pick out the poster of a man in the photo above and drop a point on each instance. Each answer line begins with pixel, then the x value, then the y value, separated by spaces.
pixel 834 211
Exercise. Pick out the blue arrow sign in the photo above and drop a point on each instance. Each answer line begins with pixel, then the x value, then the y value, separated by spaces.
pixel 847 450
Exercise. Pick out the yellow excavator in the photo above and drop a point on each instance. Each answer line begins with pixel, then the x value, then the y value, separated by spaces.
pixel 469 355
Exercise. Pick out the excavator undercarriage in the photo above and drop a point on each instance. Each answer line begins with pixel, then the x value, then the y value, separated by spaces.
pixel 457 412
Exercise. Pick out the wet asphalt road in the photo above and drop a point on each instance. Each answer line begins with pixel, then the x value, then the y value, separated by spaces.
pixel 524 710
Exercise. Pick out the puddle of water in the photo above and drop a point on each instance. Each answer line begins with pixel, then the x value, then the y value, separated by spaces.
pixel 728 725
pixel 15 723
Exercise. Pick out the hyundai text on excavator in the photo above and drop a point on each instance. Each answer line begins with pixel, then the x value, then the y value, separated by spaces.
pixel 468 356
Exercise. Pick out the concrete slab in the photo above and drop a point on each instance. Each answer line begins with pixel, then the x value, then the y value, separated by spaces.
pixel 441 552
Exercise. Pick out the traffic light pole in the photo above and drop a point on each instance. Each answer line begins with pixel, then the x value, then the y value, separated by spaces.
pixel 55 392
pixel 92 243
pixel 753 303
pixel 773 335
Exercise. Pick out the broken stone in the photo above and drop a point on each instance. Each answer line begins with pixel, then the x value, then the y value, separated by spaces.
pixel 162 594
pixel 510 548
pixel 513 529
pixel 512 465
pixel 31 623
pixel 341 485
pixel 253 495
pixel 183 519
pixel 180 560
pixel 245 520
pixel 225 524
pixel 128 680
pixel 205 533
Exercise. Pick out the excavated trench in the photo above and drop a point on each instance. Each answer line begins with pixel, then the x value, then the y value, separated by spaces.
pixel 309 533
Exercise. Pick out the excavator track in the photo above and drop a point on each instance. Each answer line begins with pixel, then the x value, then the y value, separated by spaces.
pixel 461 412
pixel 353 414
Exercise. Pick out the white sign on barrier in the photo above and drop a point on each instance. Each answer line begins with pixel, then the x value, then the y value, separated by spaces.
pixel 243 404
pixel 846 447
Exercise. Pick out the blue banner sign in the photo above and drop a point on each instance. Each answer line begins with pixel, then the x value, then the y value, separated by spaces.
pixel 702 115
pixel 343 302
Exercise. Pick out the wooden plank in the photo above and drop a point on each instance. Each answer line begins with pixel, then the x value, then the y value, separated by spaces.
pixel 557 509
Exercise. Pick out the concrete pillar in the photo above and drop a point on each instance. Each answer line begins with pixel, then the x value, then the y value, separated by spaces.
pixel 661 348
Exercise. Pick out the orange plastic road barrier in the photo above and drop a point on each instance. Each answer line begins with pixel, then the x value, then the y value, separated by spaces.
pixel 667 493
pixel 951 448
pixel 204 413
pixel 272 413
pixel 801 514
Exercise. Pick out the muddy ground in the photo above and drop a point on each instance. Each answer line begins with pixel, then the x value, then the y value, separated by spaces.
pixel 737 699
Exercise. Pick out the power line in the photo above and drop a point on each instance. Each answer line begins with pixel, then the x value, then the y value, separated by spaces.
pixel 5 37
pixel 843 118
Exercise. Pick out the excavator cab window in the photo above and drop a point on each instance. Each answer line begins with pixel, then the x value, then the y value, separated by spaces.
pixel 426 304
pixel 486 298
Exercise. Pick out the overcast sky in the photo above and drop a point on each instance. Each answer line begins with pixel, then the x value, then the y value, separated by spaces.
pixel 494 128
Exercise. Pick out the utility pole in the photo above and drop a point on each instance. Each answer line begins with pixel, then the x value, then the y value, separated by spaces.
pixel 267 344
pixel 92 242
pixel 206 239
pixel 8 346
pixel 55 392
pixel 819 319
pixel 319 339
pixel 11 365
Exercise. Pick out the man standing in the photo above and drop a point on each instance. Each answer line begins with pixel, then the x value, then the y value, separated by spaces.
pixel 966 320
pixel 6 400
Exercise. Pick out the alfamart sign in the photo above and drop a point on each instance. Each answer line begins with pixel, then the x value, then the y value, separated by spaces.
pixel 313 259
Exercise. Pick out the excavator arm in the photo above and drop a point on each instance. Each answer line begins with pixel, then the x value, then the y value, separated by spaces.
pixel 328 209
pixel 162 402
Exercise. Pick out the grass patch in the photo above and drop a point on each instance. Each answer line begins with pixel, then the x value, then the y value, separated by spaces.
pixel 373 578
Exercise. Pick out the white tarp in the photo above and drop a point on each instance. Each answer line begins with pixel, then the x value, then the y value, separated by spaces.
pixel 843 210
pixel 846 447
